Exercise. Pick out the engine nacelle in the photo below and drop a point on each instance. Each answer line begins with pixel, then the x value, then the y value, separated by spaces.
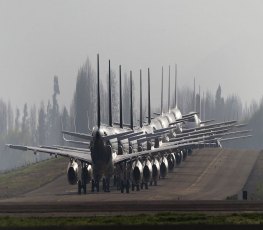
pixel 72 172
pixel 163 167
pixel 87 173
pixel 178 157
pixel 171 161
pixel 155 170
pixel 137 172
pixel 147 171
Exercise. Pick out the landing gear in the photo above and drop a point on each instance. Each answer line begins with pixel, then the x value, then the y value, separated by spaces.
pixel 82 185
pixel 95 185
pixel 79 187
pixel 128 186
pixel 145 184
pixel 125 186
pixel 106 185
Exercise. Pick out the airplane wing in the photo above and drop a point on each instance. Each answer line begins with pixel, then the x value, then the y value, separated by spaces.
pixel 132 156
pixel 226 123
pixel 89 138
pixel 57 151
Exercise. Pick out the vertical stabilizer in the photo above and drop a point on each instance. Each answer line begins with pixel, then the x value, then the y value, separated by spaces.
pixel 200 109
pixel 175 87
pixel 162 94
pixel 149 98
pixel 204 106
pixel 131 95
pixel 169 90
pixel 110 104
pixel 121 121
pixel 98 92
pixel 140 98
pixel 194 99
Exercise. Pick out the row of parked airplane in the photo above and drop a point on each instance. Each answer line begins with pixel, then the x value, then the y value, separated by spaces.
pixel 135 156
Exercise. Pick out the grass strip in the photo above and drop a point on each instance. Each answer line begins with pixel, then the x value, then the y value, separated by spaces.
pixel 30 177
pixel 169 218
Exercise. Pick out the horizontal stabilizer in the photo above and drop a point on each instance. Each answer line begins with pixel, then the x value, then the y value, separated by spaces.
pixel 88 137
pixel 164 129
pixel 149 137
pixel 189 115
pixel 113 136
pixel 207 121
pixel 79 135
pixel 130 135
pixel 124 125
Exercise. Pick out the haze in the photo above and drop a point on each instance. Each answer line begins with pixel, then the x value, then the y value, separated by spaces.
pixel 217 42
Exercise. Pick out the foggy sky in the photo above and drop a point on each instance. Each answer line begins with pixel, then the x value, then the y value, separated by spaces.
pixel 217 42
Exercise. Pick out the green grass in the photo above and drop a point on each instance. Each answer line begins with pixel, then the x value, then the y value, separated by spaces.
pixel 30 177
pixel 169 218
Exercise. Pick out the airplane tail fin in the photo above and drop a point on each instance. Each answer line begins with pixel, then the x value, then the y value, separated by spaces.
pixel 98 91
pixel 110 105
pixel 149 98
pixel 169 91
pixel 121 119
pixel 141 98
pixel 131 100
pixel 175 87
pixel 162 94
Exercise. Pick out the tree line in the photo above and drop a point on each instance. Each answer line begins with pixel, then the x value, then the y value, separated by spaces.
pixel 42 125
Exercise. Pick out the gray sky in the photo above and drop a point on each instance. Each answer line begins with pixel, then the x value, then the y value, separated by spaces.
pixel 214 41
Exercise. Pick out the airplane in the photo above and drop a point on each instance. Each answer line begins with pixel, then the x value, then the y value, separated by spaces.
pixel 134 156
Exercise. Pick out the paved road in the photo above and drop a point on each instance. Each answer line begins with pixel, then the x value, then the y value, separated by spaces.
pixel 208 174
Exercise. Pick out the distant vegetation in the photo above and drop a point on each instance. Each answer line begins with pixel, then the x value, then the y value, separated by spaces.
pixel 41 125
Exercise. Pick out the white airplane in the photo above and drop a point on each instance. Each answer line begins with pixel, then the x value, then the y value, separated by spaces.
pixel 135 156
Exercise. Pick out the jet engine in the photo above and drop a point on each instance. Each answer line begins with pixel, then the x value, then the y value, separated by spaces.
pixel 178 157
pixel 155 170
pixel 136 172
pixel 171 161
pixel 72 172
pixel 147 171
pixel 163 167
pixel 87 172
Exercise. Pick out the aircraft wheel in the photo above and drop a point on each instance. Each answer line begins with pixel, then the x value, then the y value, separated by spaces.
pixel 114 180
pixel 84 188
pixel 79 187
pixel 141 185
pixel 122 187
pixel 127 186
pixel 104 184
pixel 92 185
pixel 146 185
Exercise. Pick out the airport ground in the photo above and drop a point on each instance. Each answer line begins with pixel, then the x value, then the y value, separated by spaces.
pixel 208 181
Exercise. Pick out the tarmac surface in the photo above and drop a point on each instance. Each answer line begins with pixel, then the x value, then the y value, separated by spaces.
pixel 200 183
